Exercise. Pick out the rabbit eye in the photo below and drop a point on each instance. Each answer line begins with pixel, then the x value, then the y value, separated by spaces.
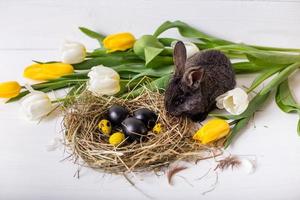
pixel 188 94
pixel 178 101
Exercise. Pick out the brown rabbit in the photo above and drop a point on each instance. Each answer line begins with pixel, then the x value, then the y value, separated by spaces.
pixel 197 82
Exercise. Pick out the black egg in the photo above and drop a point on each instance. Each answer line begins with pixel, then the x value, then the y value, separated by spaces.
pixel 147 116
pixel 116 114
pixel 134 128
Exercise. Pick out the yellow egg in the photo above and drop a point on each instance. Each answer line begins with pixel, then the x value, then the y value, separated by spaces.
pixel 157 129
pixel 116 138
pixel 105 126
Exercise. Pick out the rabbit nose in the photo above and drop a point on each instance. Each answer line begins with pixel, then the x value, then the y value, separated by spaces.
pixel 174 112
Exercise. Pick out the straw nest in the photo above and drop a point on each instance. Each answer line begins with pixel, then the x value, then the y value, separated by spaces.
pixel 90 148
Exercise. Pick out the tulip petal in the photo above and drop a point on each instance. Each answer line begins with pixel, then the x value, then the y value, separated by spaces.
pixel 118 42
pixel 103 81
pixel 9 89
pixel 190 47
pixel 47 71
pixel 36 105
pixel 234 101
pixel 73 52
pixel 212 130
pixel 101 72
pixel 220 100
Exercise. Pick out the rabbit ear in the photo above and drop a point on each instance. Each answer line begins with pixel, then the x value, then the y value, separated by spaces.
pixel 193 77
pixel 179 58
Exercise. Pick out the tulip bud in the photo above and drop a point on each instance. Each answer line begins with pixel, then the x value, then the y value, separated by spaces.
pixel 212 131
pixel 47 71
pixel 234 101
pixel 72 52
pixel 36 105
pixel 9 89
pixel 118 42
pixel 190 47
pixel 103 81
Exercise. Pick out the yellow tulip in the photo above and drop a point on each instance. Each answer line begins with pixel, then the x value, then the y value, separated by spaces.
pixel 43 72
pixel 212 130
pixel 119 42
pixel 9 89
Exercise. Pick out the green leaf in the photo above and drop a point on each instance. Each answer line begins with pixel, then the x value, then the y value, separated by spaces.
pixel 155 72
pixel 255 104
pixel 130 71
pixel 17 98
pixel 61 85
pixel 134 68
pixel 101 52
pixel 210 41
pixel 242 48
pixel 283 75
pixel 48 62
pixel 235 130
pixel 224 116
pixel 275 48
pixel 285 100
pixel 187 31
pixel 246 67
pixel 262 57
pixel 201 45
pixel 148 48
pixel 77 75
pixel 160 61
pixel 262 77
pixel 151 53
pixel 107 61
pixel 167 41
pixel 92 34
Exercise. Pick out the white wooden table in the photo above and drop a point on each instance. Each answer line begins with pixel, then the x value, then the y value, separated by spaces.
pixel 34 29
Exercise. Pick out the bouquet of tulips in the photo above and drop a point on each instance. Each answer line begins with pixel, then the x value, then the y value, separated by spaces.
pixel 123 66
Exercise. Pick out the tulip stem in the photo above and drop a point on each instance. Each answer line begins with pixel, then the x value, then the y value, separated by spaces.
pixel 54 83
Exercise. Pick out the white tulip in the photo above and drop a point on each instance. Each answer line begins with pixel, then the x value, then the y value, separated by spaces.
pixel 234 101
pixel 72 52
pixel 36 105
pixel 190 47
pixel 103 81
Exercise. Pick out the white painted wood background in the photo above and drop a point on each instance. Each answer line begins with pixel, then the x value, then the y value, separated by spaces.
pixel 34 29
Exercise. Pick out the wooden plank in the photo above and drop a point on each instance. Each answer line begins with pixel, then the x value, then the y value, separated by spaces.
pixel 35 24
